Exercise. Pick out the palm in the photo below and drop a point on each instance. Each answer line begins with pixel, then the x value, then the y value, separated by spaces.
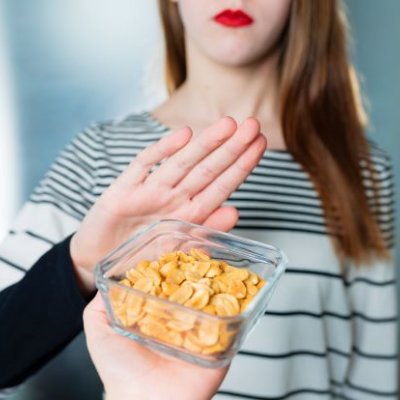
pixel 123 363
pixel 197 176
pixel 157 373
pixel 165 202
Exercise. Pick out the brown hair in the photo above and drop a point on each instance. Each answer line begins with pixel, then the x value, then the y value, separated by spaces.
pixel 322 117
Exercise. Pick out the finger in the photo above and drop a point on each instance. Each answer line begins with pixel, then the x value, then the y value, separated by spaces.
pixel 95 318
pixel 96 304
pixel 222 158
pixel 215 194
pixel 178 166
pixel 139 168
pixel 222 219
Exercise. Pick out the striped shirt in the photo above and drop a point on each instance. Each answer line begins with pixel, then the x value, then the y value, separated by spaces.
pixel 327 334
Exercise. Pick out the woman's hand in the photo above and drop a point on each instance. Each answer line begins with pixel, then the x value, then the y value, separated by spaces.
pixel 131 371
pixel 196 176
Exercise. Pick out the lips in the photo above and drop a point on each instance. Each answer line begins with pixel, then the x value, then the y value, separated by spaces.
pixel 233 18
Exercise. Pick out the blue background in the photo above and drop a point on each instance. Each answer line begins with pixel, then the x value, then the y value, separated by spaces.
pixel 78 61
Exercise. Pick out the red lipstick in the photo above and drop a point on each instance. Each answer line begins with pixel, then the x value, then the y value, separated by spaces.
pixel 233 18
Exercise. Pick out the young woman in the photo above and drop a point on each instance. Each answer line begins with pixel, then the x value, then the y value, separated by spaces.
pixel 322 193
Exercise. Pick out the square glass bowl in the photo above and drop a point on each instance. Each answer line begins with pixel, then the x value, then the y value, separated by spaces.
pixel 186 333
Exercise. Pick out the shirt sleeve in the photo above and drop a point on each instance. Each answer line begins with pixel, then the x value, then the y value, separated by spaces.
pixel 373 372
pixel 40 305
pixel 39 315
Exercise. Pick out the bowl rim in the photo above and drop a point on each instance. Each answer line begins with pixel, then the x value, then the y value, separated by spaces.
pixel 102 280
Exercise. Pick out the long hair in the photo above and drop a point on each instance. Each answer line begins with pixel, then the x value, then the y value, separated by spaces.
pixel 321 114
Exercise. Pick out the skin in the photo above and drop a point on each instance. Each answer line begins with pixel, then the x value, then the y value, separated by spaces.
pixel 198 176
pixel 230 72
pixel 203 166
pixel 139 373
pixel 233 48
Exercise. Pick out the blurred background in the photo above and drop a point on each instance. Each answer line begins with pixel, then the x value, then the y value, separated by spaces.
pixel 65 64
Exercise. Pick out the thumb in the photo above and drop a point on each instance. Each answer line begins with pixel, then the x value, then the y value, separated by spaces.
pixel 222 219
pixel 95 319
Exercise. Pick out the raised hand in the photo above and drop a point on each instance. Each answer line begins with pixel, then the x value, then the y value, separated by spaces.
pixel 197 175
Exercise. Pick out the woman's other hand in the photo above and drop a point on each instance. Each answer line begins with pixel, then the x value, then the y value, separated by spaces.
pixel 131 371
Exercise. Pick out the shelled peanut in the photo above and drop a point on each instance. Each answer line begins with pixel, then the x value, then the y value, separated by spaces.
pixel 193 280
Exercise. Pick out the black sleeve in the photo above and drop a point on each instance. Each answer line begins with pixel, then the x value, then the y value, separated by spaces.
pixel 39 316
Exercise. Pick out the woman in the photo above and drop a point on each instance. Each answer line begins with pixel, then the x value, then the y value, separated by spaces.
pixel 322 193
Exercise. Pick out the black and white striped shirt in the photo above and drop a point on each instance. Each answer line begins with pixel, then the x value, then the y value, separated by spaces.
pixel 326 334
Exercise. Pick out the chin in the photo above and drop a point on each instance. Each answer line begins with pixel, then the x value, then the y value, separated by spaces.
pixel 236 57
pixel 237 49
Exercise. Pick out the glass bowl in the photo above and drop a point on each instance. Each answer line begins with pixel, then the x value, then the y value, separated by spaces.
pixel 177 330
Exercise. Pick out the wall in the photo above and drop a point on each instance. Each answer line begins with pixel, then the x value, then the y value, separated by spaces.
pixel 9 171
pixel 75 62
pixel 376 52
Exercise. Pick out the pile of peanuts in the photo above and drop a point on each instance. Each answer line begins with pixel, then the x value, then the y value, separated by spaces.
pixel 193 280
